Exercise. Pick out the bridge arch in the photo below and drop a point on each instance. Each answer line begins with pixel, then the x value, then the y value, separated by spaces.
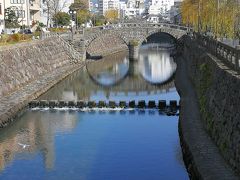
pixel 105 42
pixel 158 36
pixel 101 41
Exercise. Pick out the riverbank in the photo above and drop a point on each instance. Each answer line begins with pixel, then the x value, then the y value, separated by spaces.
pixel 201 156
pixel 29 70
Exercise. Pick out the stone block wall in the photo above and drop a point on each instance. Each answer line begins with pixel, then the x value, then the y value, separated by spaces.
pixel 106 44
pixel 25 62
pixel 218 91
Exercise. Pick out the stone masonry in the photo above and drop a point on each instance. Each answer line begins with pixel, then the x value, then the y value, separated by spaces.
pixel 218 94
pixel 29 69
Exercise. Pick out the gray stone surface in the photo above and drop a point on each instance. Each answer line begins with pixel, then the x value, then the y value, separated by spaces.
pixel 200 154
pixel 208 140
pixel 30 69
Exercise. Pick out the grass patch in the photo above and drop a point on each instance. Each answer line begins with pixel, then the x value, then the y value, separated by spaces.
pixel 7 39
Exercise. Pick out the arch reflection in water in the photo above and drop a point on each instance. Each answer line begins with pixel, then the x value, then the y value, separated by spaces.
pixel 109 71
pixel 156 66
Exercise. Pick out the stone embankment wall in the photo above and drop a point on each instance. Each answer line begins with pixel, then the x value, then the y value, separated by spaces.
pixel 21 64
pixel 218 91
pixel 29 69
pixel 106 44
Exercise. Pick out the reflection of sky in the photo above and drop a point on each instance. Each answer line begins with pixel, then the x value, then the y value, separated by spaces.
pixel 113 74
pixel 156 66
pixel 102 145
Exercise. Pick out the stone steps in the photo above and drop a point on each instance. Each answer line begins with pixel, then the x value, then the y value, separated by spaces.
pixel 161 104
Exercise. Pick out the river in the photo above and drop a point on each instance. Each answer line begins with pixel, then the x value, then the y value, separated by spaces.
pixel 100 144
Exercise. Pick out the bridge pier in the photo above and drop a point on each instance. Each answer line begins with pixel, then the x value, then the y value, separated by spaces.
pixel 133 51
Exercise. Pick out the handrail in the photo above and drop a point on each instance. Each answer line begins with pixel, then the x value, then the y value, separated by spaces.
pixel 227 54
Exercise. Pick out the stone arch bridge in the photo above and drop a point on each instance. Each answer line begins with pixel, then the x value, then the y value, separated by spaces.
pixel 101 40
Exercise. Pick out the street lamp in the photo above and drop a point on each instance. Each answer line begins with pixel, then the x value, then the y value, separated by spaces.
pixel 73 14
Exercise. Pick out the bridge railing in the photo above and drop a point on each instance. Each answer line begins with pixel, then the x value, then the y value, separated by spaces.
pixel 121 26
pixel 227 54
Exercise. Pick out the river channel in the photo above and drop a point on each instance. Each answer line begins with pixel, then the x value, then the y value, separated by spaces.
pixel 100 144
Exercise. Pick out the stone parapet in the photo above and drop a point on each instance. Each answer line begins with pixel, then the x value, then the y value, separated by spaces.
pixel 217 87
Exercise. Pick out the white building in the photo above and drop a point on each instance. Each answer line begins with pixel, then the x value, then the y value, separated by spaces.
pixel 27 11
pixel 122 9
pixel 62 6
pixel 2 24
pixel 161 7
pixel 175 11
pixel 134 8
pixel 105 5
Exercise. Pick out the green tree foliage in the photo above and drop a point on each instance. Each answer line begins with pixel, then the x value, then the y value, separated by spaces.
pixel 81 7
pixel 11 20
pixel 111 15
pixel 218 16
pixel 98 20
pixel 83 16
pixel 61 19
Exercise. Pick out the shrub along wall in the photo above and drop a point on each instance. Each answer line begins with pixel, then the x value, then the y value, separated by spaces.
pixel 218 90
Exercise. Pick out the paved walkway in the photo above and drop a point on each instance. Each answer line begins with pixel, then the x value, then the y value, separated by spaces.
pixel 10 105
pixel 198 148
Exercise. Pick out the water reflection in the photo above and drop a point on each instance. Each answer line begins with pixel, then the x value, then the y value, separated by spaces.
pixel 109 71
pixel 117 78
pixel 100 144
pixel 37 132
pixel 154 65
pixel 87 145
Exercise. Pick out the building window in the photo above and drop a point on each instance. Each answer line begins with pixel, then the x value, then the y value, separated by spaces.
pixel 20 13
pixel 17 1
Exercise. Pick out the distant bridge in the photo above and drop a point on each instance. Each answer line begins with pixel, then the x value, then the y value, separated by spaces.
pixel 102 39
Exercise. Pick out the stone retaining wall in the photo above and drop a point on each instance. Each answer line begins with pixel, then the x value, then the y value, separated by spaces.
pixel 21 64
pixel 218 91
pixel 29 69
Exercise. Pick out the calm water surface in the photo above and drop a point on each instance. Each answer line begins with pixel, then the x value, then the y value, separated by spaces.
pixel 108 145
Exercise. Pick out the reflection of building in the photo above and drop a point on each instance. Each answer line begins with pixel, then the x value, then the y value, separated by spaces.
pixel 39 133
pixel 156 67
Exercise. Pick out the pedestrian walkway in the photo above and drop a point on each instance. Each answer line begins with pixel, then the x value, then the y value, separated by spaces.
pixel 201 155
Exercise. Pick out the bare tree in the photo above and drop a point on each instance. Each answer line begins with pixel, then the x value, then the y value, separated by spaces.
pixel 52 7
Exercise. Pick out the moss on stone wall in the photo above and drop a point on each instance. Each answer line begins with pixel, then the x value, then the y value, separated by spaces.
pixel 205 82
